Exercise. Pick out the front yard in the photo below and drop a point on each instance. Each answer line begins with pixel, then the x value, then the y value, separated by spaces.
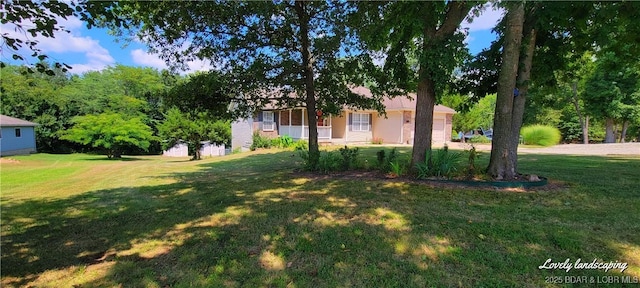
pixel 251 220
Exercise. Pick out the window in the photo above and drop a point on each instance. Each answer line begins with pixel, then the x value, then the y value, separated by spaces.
pixel 18 133
pixel 268 123
pixel 360 122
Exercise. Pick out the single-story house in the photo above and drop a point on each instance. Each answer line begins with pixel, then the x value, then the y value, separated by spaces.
pixel 182 150
pixel 17 136
pixel 351 126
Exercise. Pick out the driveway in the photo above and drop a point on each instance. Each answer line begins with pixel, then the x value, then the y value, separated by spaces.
pixel 568 149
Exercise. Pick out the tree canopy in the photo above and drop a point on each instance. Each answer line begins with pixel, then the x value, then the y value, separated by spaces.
pixel 286 53
pixel 109 131
pixel 423 31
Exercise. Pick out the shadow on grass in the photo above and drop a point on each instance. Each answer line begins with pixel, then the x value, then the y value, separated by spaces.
pixel 251 221
pixel 123 158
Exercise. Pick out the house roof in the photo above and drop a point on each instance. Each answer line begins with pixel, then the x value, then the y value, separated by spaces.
pixel 398 103
pixel 6 121
pixel 401 102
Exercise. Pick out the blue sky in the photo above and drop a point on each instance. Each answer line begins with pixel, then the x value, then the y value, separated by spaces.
pixel 94 49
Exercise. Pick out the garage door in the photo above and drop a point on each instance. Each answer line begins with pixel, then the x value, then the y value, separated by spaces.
pixel 438 131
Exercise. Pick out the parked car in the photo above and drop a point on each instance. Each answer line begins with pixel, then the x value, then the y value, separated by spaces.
pixel 479 132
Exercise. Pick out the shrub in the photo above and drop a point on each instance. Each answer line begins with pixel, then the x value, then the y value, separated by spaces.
pixel 479 139
pixel 541 135
pixel 300 145
pixel 471 167
pixel 259 141
pixel 393 155
pixel 285 141
pixel 385 160
pixel 349 157
pixel 397 169
pixel 329 162
pixel 444 163
pixel 380 156
pixel 377 140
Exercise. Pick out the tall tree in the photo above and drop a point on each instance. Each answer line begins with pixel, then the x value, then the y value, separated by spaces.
pixel 612 92
pixel 501 165
pixel 550 32
pixel 198 112
pixel 426 31
pixel 193 129
pixel 287 53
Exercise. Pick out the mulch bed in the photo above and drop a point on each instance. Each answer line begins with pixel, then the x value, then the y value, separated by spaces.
pixel 551 186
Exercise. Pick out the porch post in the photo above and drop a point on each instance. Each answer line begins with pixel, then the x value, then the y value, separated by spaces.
pixel 302 131
pixel 290 132
pixel 330 126
pixel 346 128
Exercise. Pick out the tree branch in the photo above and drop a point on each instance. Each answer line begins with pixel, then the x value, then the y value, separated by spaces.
pixel 456 12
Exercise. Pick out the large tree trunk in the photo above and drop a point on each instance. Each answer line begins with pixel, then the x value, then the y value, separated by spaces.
pixel 609 136
pixel 433 38
pixel 310 100
pixel 426 99
pixel 584 121
pixel 522 83
pixel 500 164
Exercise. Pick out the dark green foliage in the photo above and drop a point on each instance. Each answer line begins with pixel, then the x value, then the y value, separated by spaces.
pixel 53 100
pixel 330 161
pixel 384 160
pixel 444 164
pixel 349 157
pixel 209 92
pixel 193 129
pixel 259 141
pixel 393 155
pixel 381 157
pixel 471 164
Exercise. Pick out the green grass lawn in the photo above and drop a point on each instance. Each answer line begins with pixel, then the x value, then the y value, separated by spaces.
pixel 250 220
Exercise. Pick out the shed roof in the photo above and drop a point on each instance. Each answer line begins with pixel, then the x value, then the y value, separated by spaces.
pixel 6 121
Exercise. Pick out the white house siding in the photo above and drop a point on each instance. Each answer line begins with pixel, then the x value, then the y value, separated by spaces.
pixel 242 134
pixel 390 128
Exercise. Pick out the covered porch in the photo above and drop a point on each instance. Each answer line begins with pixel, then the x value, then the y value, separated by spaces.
pixel 292 123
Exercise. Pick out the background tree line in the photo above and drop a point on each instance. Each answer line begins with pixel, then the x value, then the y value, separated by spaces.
pixel 119 110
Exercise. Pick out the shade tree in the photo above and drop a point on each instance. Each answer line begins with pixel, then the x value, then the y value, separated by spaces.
pixel 110 132
pixel 285 53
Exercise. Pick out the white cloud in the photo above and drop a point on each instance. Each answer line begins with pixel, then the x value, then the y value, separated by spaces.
pixel 487 19
pixel 199 65
pixel 97 57
pixel 143 58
